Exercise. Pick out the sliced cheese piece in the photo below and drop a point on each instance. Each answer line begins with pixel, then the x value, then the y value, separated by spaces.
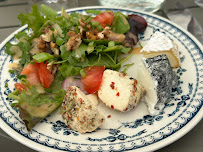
pixel 93 98
pixel 119 91
pixel 159 44
pixel 80 111
pixel 157 77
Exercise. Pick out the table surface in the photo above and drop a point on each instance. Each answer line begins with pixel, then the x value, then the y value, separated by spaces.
pixel 9 9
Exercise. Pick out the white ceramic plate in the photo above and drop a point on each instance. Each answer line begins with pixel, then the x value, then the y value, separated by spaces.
pixel 135 130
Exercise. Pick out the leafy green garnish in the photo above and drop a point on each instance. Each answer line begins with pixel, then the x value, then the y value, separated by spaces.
pixel 37 102
pixel 65 14
pixel 26 57
pixel 21 76
pixel 22 49
pixel 48 12
pixel 34 20
pixel 41 57
pixel 59 41
pixel 11 71
pixel 69 70
pixel 140 45
pixel 126 67
pixel 79 53
pixel 98 42
pixel 8 49
pixel 14 95
pixel 56 84
pixel 21 35
pixel 94 11
pixel 34 98
pixel 120 24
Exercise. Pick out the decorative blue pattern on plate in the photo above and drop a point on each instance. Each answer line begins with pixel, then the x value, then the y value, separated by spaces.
pixel 134 130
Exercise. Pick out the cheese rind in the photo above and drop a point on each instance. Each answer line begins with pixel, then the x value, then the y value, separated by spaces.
pixel 162 79
pixel 120 92
pixel 80 111
pixel 159 44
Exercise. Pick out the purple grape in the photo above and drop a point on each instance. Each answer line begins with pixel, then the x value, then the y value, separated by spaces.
pixel 137 23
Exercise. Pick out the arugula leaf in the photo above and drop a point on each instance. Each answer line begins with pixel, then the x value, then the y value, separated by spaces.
pixel 59 41
pixel 74 17
pixel 100 48
pixel 26 57
pixel 125 50
pixel 64 52
pixel 99 42
pixel 79 53
pixel 114 48
pixel 117 48
pixel 105 60
pixel 70 57
pixel 126 67
pixel 21 35
pixel 90 47
pixel 122 61
pixel 21 49
pixel 69 70
pixel 8 49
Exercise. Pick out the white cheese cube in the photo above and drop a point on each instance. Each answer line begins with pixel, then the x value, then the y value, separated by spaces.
pixel 119 91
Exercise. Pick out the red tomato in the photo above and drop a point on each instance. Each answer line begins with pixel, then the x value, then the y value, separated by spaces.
pixel 93 78
pixel 38 73
pixel 32 73
pixel 20 87
pixel 45 75
pixel 104 19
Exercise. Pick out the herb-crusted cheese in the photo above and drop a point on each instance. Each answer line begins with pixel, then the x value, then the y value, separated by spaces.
pixel 80 111
pixel 119 91
pixel 158 78
pixel 159 44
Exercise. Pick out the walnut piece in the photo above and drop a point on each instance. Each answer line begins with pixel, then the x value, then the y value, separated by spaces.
pixel 74 40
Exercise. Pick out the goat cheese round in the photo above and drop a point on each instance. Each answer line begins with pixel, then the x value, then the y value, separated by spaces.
pixel 119 91
pixel 159 79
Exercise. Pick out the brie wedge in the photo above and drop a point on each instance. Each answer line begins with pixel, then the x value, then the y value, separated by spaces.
pixel 159 44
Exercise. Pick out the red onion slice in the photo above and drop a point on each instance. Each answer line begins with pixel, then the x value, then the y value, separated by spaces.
pixel 73 81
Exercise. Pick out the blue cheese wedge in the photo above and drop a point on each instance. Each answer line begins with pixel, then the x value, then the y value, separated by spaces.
pixel 158 78
pixel 80 111
pixel 120 92
pixel 159 44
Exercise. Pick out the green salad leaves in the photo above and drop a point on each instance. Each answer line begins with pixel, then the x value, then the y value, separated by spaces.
pixel 53 42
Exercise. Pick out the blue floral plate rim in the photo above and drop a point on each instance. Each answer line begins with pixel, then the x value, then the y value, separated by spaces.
pixel 154 146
